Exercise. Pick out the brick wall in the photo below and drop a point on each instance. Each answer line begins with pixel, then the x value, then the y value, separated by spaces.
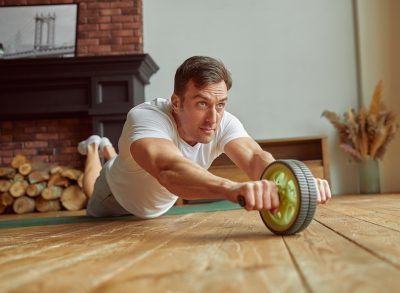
pixel 105 27
pixel 45 140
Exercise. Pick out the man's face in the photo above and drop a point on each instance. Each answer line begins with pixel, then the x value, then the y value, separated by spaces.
pixel 200 114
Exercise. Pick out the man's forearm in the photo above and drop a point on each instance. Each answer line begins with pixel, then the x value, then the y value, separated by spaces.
pixel 259 162
pixel 190 181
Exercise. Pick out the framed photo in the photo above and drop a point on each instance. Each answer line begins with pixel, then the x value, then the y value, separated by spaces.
pixel 38 31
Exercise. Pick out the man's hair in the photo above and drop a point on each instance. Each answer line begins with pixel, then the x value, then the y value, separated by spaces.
pixel 202 71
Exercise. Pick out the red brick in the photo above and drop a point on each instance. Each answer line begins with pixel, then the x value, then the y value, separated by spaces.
pixel 85 42
pixel 47 122
pixel 65 157
pixel 110 26
pixel 129 40
pixel 129 25
pixel 55 144
pixel 69 150
pixel 43 158
pixel 88 13
pixel 122 33
pixel 128 11
pixel 10 145
pixel 24 123
pixel 15 2
pixel 6 125
pixel 99 5
pixel 6 138
pixel 121 48
pixel 64 1
pixel 38 2
pixel 114 11
pixel 122 18
pixel 45 152
pixel 99 49
pixel 98 34
pixel 61 128
pixel 6 153
pixel 46 136
pixel 26 152
pixel 35 144
pixel 82 50
pixel 6 161
pixel 121 4
pixel 82 35
pixel 88 27
pixel 35 129
pixel 99 19
pixel 110 41
pixel 20 136
pixel 71 136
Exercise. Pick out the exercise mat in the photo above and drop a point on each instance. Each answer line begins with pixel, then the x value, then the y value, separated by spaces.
pixel 222 205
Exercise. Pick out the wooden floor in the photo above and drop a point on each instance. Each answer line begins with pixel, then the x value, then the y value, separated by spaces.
pixel 353 245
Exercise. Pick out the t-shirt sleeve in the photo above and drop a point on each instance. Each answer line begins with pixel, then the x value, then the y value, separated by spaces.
pixel 231 128
pixel 148 123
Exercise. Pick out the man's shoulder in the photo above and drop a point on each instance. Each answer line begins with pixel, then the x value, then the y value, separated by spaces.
pixel 158 105
pixel 229 118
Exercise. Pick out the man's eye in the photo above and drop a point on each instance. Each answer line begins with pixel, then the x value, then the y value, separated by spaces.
pixel 202 104
pixel 220 106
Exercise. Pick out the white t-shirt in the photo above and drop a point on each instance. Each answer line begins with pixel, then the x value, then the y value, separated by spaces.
pixel 135 189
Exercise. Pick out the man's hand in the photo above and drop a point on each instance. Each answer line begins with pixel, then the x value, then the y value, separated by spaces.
pixel 323 190
pixel 258 195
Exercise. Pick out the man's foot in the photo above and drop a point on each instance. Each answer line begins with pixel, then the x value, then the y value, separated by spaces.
pixel 103 143
pixel 83 145
pixel 107 150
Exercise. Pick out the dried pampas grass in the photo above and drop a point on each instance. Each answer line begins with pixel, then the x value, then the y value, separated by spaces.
pixel 366 134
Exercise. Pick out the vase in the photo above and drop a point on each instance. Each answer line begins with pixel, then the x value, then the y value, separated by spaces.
pixel 369 176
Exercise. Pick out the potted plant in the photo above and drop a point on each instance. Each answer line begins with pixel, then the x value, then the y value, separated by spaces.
pixel 365 135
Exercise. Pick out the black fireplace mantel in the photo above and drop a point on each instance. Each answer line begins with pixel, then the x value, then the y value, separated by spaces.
pixel 102 87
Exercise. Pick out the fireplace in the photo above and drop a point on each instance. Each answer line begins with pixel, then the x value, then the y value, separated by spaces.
pixel 49 105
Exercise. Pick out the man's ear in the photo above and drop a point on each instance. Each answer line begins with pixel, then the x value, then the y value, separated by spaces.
pixel 176 103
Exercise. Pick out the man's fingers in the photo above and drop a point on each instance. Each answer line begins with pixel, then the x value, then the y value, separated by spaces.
pixel 274 199
pixel 259 195
pixel 323 190
pixel 266 196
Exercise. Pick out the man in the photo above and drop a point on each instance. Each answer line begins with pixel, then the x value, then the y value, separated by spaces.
pixel 167 146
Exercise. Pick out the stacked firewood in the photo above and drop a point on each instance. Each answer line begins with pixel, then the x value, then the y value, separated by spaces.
pixel 26 187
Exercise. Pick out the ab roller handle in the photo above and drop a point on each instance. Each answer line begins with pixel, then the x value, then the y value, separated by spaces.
pixel 297 197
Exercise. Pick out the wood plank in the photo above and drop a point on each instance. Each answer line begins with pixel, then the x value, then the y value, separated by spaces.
pixel 211 248
pixel 386 204
pixel 331 263
pixel 51 255
pixel 351 246
pixel 232 253
pixel 376 239
pixel 368 215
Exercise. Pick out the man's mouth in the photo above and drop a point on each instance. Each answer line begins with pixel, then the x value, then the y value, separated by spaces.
pixel 207 129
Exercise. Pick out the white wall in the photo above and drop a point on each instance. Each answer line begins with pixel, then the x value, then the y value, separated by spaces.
pixel 289 59
pixel 379 39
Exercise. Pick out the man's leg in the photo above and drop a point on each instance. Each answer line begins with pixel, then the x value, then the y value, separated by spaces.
pixel 92 169
pixel 101 201
pixel 89 147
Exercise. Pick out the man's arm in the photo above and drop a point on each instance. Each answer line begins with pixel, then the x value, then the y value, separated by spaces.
pixel 162 159
pixel 248 156
pixel 252 159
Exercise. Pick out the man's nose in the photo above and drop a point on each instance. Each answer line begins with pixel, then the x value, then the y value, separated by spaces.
pixel 212 115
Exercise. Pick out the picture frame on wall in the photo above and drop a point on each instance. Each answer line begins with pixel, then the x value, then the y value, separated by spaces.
pixel 38 31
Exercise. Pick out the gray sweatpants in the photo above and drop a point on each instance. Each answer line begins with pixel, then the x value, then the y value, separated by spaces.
pixel 103 203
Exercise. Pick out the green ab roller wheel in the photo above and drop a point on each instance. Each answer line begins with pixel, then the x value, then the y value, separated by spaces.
pixel 297 197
